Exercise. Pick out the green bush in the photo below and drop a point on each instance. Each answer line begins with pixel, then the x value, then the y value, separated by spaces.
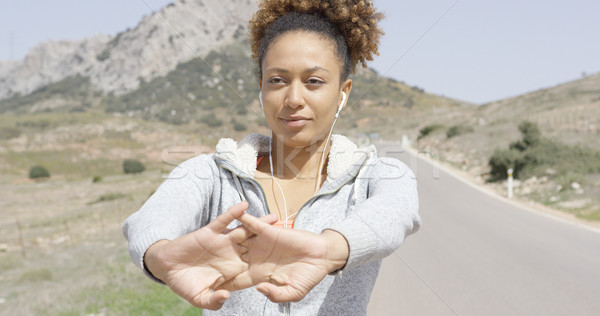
pixel 532 154
pixel 108 197
pixel 428 130
pixel 240 127
pixel 458 130
pixel 211 120
pixel 37 172
pixel 502 160
pixel 96 179
pixel 531 136
pixel 133 166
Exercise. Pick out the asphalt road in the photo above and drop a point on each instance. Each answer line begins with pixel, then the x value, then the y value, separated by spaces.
pixel 479 255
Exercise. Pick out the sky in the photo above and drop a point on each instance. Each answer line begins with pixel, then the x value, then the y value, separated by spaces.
pixel 476 51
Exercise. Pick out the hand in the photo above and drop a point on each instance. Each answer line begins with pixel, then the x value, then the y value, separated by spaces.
pixel 195 264
pixel 285 263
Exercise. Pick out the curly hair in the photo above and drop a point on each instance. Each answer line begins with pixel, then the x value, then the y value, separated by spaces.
pixel 351 24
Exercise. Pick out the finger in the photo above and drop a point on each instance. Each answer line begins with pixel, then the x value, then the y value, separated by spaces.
pixel 279 294
pixel 240 282
pixel 241 233
pixel 269 219
pixel 253 224
pixel 210 300
pixel 220 223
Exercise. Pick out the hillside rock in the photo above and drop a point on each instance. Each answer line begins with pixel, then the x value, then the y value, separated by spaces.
pixel 175 34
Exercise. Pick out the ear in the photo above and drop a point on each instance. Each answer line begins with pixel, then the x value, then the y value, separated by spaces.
pixel 346 87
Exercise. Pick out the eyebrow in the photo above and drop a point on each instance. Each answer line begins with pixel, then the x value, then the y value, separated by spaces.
pixel 308 70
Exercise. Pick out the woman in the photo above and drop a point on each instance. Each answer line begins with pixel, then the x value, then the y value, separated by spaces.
pixel 348 208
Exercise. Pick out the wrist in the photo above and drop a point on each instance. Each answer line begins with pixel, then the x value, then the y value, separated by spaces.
pixel 152 259
pixel 337 250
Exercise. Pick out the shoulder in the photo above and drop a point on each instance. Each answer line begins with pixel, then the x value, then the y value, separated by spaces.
pixel 202 165
pixel 390 168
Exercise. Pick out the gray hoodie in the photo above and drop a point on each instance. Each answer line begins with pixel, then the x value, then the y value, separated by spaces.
pixel 371 201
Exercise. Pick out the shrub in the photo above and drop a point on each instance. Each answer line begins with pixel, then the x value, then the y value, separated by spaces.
pixel 458 130
pixel 240 127
pixel 96 179
pixel 502 160
pixel 533 154
pixel 37 172
pixel 531 136
pixel 211 120
pixel 133 166
pixel 108 197
pixel 428 130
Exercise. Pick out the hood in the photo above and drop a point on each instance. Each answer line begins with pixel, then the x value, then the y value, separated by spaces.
pixel 344 155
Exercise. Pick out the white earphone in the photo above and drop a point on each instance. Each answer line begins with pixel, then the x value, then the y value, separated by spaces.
pixel 336 114
pixel 341 104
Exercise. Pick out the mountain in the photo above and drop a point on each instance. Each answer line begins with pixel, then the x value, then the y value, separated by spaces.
pixel 177 33
pixel 81 106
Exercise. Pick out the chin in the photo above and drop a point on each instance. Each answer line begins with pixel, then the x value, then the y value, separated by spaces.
pixel 301 139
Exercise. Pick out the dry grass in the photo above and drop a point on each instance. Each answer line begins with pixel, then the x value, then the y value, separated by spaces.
pixel 61 256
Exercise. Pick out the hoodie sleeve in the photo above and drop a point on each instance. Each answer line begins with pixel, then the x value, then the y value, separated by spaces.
pixel 179 206
pixel 377 226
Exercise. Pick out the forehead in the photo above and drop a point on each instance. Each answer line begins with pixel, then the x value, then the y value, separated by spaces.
pixel 300 49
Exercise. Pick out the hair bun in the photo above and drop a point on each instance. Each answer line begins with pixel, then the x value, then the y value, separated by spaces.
pixel 356 19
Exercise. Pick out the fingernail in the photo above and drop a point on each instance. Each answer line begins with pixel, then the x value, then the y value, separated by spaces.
pixel 222 300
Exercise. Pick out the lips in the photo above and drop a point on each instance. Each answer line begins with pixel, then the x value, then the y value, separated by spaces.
pixel 294 121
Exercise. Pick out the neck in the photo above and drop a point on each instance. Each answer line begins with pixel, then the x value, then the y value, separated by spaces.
pixel 298 163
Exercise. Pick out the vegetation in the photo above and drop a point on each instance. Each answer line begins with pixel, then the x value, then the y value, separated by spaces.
pixel 38 172
pixel 211 120
pixel 36 275
pixel 108 197
pixel 133 166
pixel 76 89
pixel 533 154
pixel 8 132
pixel 458 130
pixel 96 179
pixel 428 130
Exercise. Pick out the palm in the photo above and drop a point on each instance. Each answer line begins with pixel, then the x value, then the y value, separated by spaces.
pixel 201 261
pixel 195 264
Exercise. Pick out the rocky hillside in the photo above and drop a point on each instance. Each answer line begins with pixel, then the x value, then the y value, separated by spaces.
pixel 563 172
pixel 175 34
pixel 81 107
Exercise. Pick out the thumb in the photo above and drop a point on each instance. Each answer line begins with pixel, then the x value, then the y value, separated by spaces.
pixel 279 294
pixel 208 300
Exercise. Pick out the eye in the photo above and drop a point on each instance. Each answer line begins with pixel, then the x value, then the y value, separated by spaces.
pixel 276 80
pixel 314 81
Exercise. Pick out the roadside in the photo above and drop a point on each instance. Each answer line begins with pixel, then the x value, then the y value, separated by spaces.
pixel 499 191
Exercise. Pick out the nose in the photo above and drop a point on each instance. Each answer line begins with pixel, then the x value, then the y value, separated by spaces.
pixel 294 95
